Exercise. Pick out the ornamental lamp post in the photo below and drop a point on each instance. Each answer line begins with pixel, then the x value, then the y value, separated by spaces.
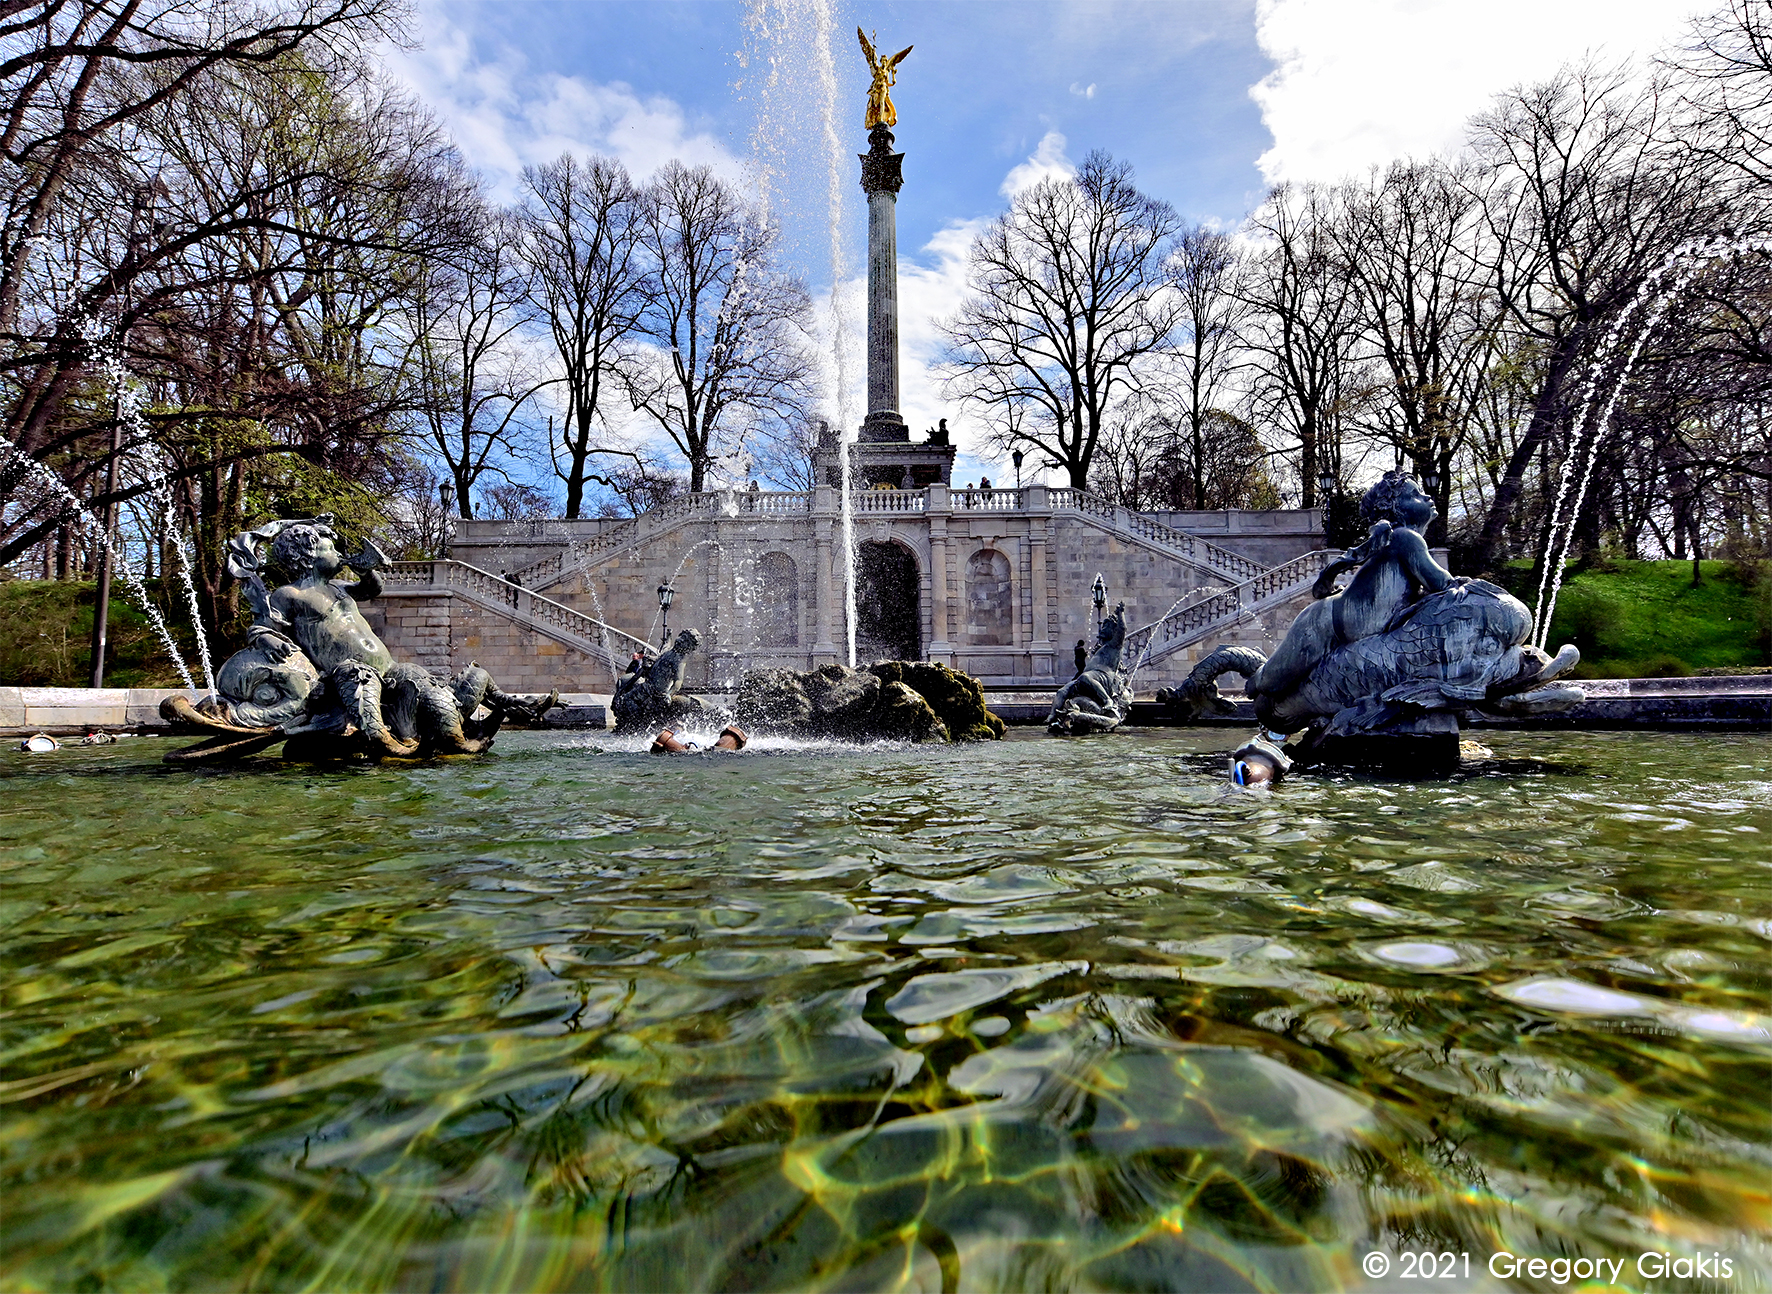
pixel 446 493
pixel 1098 595
pixel 1326 483
pixel 1016 459
pixel 666 594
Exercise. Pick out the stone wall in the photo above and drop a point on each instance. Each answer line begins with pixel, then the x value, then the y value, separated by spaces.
pixel 1269 536
pixel 730 558
pixel 445 633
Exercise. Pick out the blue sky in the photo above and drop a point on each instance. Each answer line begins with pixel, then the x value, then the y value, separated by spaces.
pixel 1210 100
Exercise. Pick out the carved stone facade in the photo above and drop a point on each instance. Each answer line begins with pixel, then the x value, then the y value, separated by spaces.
pixel 994 583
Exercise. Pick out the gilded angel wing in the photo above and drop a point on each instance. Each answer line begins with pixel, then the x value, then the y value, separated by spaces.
pixel 867 46
pixel 899 57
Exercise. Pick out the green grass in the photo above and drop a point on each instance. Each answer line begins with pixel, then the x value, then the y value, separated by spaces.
pixel 1646 619
pixel 46 638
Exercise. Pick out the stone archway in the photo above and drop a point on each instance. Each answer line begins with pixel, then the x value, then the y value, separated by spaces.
pixel 888 603
pixel 778 601
pixel 990 603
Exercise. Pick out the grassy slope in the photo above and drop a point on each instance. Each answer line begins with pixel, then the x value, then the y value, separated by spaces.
pixel 1645 619
pixel 46 638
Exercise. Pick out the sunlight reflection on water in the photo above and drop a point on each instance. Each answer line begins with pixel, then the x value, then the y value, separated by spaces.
pixel 1029 1014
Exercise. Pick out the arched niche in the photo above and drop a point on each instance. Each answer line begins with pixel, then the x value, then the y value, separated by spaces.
pixel 990 600
pixel 778 603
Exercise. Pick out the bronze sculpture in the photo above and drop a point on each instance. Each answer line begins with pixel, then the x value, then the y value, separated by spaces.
pixel 1406 639
pixel 314 674
pixel 1100 697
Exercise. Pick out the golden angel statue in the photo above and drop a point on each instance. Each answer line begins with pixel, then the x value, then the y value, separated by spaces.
pixel 880 109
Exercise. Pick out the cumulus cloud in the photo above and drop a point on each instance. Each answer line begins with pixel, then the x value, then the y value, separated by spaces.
pixel 1083 91
pixel 505 116
pixel 1357 83
pixel 1047 162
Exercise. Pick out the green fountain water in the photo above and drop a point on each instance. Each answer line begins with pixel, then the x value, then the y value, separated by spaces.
pixel 1032 1014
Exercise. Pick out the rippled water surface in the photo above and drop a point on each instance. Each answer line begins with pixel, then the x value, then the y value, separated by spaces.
pixel 1036 1014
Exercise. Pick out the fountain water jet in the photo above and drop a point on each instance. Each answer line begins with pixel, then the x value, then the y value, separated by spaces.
pixel 1657 292
pixel 792 35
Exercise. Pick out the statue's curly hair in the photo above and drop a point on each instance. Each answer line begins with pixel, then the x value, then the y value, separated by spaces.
pixel 292 551
pixel 1380 502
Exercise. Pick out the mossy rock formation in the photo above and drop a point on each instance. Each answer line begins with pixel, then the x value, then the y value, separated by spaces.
pixel 891 701
pixel 956 698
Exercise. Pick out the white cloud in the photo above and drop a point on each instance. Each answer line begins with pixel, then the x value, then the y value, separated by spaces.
pixel 928 294
pixel 505 117
pixel 1360 82
pixel 1083 91
pixel 1047 162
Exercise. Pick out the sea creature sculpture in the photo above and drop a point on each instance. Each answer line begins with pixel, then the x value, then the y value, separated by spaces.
pixel 649 696
pixel 314 674
pixel 1099 698
pixel 1406 638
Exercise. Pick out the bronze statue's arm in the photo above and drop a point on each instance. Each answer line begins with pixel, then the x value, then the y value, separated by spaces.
pixel 1418 563
pixel 1375 542
pixel 365 563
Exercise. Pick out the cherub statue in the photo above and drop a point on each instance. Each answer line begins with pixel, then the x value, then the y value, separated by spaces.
pixel 1404 638
pixel 314 669
pixel 649 694
pixel 880 110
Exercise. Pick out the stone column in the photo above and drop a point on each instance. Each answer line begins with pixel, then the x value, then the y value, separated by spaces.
pixel 881 179
pixel 824 502
pixel 1039 507
pixel 941 651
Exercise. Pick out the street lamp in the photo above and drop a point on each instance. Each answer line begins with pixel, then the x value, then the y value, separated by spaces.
pixel 1326 484
pixel 446 493
pixel 665 596
pixel 1016 459
pixel 1430 481
pixel 1098 595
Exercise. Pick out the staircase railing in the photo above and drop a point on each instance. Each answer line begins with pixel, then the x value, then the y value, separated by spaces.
pixel 1190 623
pixel 524 603
pixel 1202 552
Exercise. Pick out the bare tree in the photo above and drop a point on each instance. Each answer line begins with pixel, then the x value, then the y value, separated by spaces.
pixel 1580 202
pixel 474 380
pixel 65 80
pixel 1203 270
pixel 1302 328
pixel 1406 241
pixel 1068 301
pixel 1727 71
pixel 581 240
pixel 728 328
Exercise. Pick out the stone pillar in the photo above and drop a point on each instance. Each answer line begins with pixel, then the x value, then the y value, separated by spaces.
pixel 881 179
pixel 824 502
pixel 1039 506
pixel 941 651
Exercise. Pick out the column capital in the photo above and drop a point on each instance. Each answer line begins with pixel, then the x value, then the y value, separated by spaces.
pixel 881 167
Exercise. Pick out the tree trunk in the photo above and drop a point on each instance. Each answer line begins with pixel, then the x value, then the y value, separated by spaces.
pixel 1488 555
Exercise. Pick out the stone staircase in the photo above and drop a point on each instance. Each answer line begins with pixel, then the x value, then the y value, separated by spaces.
pixel 1221 609
pixel 523 606
pixel 1127 524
